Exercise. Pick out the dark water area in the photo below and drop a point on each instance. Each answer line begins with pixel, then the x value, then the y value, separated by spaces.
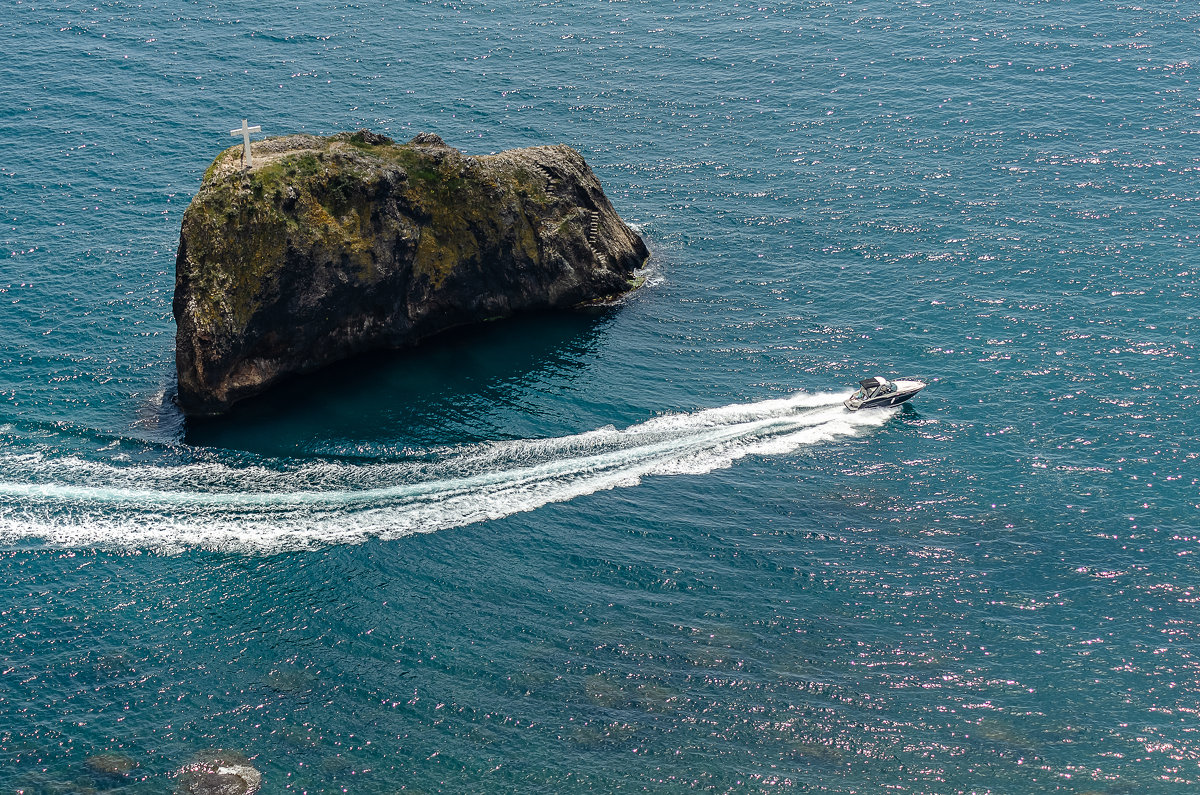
pixel 642 547
pixel 447 388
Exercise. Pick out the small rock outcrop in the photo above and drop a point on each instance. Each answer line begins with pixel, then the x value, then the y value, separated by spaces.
pixel 330 247
pixel 219 773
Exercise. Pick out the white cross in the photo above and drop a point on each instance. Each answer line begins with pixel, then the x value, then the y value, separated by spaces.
pixel 245 133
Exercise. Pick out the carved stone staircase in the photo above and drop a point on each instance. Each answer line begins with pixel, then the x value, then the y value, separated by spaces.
pixel 593 232
pixel 550 181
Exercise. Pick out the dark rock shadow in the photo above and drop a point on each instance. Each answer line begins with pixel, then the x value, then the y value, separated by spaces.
pixel 442 392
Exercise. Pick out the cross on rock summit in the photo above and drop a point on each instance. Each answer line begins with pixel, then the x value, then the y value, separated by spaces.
pixel 245 133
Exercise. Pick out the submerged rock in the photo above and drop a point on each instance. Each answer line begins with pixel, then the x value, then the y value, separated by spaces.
pixel 219 773
pixel 111 765
pixel 331 247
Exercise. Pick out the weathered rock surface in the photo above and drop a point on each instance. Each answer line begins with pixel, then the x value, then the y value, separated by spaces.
pixel 331 247
pixel 219 773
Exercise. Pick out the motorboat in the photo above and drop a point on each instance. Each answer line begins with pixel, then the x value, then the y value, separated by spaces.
pixel 879 392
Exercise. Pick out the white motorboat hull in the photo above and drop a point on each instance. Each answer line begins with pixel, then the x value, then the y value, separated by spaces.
pixel 904 390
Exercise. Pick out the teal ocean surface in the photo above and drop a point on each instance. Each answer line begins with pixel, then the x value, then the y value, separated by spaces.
pixel 640 547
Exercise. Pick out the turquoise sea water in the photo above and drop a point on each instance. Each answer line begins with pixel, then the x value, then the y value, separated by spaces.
pixel 643 547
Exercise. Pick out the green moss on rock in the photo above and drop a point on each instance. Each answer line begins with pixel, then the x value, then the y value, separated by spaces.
pixel 330 246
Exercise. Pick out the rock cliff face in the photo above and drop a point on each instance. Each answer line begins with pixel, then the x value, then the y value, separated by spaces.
pixel 330 247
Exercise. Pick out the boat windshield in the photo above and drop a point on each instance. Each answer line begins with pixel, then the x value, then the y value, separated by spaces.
pixel 864 392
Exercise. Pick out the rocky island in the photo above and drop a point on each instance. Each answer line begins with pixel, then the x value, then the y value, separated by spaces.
pixel 333 246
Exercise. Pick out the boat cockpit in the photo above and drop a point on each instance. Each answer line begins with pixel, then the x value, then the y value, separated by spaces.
pixel 871 388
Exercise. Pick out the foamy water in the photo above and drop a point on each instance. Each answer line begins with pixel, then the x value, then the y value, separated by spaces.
pixel 71 501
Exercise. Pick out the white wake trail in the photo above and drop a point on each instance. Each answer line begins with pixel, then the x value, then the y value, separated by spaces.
pixel 76 502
